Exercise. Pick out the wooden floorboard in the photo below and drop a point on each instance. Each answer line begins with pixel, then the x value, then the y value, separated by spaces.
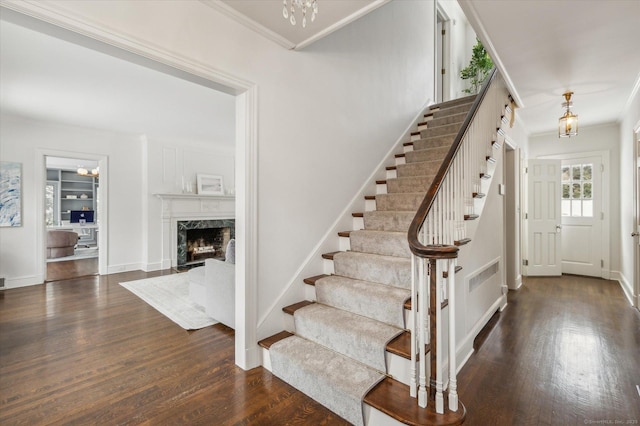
pixel 66 269
pixel 87 351
pixel 564 351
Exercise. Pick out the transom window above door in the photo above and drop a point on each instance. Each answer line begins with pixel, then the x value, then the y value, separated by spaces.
pixel 577 190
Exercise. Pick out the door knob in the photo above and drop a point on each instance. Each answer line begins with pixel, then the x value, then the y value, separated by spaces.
pixel 558 228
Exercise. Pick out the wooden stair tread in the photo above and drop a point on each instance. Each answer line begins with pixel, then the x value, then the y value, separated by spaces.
pixel 391 167
pixel 407 144
pixel 369 197
pixel 471 216
pixel 292 308
pixel 329 256
pixel 478 195
pixel 401 345
pixel 344 234
pixel 392 398
pixel 381 182
pixel 400 155
pixel 312 280
pixel 266 343
pixel 445 274
pixel 462 242
pixel 357 214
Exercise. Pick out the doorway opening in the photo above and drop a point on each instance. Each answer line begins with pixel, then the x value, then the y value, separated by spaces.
pixel 442 53
pixel 72 217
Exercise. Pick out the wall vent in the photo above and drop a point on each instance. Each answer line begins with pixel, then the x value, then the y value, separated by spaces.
pixel 484 275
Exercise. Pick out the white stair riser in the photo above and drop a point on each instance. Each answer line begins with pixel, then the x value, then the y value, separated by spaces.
pixel 369 205
pixel 400 160
pixel 327 266
pixel 358 223
pixel 381 188
pixel 391 174
pixel 345 243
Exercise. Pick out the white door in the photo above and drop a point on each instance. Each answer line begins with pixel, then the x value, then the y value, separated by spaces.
pixel 582 216
pixel 543 218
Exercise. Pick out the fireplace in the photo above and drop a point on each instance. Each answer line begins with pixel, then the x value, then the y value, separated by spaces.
pixel 201 239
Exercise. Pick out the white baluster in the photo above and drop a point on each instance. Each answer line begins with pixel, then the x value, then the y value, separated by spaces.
pixel 453 384
pixel 422 301
pixel 413 385
pixel 439 340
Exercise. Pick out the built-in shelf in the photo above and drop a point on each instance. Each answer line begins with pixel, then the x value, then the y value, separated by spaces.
pixel 195 196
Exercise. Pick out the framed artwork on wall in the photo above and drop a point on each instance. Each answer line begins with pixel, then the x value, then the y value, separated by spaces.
pixel 210 184
pixel 10 194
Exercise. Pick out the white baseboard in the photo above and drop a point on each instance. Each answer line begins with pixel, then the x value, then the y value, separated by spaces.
pixel 150 267
pixel 22 281
pixel 465 348
pixel 125 267
pixel 626 286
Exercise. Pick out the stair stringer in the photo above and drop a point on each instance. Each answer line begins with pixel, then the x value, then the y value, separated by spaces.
pixel 295 290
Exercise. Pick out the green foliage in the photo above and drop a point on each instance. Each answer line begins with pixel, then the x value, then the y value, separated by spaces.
pixel 478 69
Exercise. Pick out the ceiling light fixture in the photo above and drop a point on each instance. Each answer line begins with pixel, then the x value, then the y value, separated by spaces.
pixel 84 172
pixel 568 123
pixel 288 11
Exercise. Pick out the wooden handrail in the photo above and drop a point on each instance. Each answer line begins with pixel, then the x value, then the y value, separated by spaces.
pixel 443 251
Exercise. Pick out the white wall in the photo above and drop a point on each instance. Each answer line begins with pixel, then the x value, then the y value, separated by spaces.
pixel 20 139
pixel 605 137
pixel 631 121
pixel 167 164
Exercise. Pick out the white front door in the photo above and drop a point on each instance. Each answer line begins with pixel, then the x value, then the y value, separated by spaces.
pixel 582 216
pixel 543 218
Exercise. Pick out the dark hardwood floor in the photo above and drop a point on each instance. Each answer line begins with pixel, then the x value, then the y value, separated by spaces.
pixel 87 351
pixel 565 351
pixel 67 269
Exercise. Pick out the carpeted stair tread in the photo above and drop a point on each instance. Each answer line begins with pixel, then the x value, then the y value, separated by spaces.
pixel 423 168
pixel 266 343
pixel 409 184
pixel 381 302
pixel 390 397
pixel 447 117
pixel 440 130
pixel 386 243
pixel 335 381
pixel 434 142
pixel 360 338
pixel 400 201
pixel 388 221
pixel 390 270
pixel 427 154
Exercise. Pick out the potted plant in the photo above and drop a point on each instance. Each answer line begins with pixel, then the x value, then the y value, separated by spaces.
pixel 478 69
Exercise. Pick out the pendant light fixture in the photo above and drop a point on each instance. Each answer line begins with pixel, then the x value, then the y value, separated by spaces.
pixel 568 123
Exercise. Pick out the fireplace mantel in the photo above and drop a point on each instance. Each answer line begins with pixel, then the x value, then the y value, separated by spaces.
pixel 180 207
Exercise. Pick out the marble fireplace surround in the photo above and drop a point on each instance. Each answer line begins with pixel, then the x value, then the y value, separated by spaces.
pixel 189 208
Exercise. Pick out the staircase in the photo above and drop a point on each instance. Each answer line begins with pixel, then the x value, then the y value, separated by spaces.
pixel 350 347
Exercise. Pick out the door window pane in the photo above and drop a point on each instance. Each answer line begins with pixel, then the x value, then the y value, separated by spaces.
pixel 577 190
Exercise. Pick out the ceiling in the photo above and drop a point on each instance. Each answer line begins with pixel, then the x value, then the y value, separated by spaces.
pixel 265 17
pixel 548 47
pixel 47 78
pixel 543 47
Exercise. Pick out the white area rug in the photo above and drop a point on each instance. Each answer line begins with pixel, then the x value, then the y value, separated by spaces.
pixel 169 295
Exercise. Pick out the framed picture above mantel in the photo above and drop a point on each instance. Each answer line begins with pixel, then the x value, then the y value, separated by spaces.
pixel 209 184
